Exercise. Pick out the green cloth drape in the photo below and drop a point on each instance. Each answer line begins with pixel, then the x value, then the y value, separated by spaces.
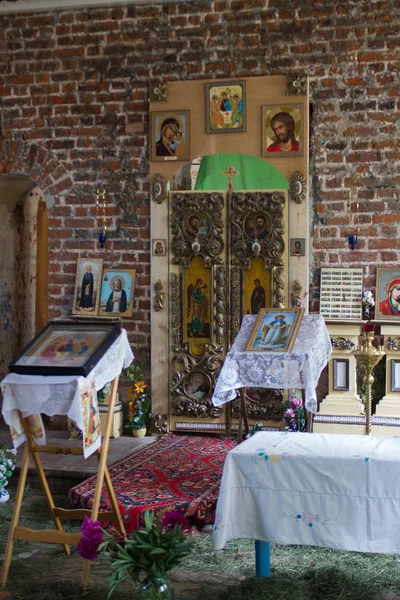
pixel 254 173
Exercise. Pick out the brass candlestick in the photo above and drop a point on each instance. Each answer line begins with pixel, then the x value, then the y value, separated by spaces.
pixel 367 355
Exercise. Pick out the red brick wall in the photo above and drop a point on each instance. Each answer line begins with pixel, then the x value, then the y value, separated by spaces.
pixel 70 82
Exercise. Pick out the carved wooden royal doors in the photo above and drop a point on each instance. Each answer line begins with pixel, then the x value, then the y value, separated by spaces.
pixel 227 259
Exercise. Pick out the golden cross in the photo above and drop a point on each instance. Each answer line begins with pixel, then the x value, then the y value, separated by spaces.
pixel 230 172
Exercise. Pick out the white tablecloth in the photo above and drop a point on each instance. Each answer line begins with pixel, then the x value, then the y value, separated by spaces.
pixel 72 395
pixel 331 490
pixel 299 368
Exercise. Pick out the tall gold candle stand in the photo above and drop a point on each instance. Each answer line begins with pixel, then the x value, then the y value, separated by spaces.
pixel 367 356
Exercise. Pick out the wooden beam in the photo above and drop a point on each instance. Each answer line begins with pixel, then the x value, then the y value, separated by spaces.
pixel 76 450
pixel 50 536
pixel 79 513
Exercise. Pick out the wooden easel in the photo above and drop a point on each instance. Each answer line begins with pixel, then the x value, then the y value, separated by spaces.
pixel 58 535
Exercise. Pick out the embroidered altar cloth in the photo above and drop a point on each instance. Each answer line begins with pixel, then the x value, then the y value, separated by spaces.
pixel 330 490
pixel 72 395
pixel 299 368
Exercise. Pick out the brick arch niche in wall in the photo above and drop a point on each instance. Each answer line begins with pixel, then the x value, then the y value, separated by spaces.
pixel 30 180
pixel 22 157
pixel 23 266
pixel 24 161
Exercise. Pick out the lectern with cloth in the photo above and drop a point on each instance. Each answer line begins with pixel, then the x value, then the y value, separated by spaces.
pixel 25 398
pixel 299 368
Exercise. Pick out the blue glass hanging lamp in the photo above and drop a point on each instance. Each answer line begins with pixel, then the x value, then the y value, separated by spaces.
pixel 352 238
pixel 101 205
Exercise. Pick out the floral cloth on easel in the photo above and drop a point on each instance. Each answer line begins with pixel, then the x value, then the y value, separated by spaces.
pixel 74 395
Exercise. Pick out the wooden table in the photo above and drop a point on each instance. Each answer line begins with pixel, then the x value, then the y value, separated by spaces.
pixel 330 490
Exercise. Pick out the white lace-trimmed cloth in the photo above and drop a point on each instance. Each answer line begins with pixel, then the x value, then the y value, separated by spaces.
pixel 299 368
pixel 72 395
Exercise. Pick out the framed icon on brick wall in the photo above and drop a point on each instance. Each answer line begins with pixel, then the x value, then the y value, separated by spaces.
pixel 117 290
pixel 226 107
pixel 387 293
pixel 170 135
pixel 282 130
pixel 87 286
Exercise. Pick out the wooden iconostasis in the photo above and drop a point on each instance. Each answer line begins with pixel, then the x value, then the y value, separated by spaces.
pixel 221 254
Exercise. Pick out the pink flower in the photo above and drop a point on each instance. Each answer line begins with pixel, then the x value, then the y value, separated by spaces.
pixel 173 518
pixel 92 536
pixel 295 402
pixel 289 414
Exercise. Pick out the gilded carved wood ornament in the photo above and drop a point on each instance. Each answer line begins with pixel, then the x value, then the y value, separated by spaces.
pixel 254 231
pixel 197 303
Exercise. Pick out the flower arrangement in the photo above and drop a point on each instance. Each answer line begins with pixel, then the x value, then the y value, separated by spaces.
pixel 368 303
pixel 138 407
pixel 144 556
pixel 139 401
pixel 7 466
pixel 294 414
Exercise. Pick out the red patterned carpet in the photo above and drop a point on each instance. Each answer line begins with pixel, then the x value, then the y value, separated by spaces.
pixel 173 473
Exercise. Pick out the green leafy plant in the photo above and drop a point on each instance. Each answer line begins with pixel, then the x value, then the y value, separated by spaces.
pixel 135 372
pixel 145 555
pixel 7 465
pixel 103 393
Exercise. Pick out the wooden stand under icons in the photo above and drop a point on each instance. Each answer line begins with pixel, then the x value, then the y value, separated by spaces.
pixel 58 535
